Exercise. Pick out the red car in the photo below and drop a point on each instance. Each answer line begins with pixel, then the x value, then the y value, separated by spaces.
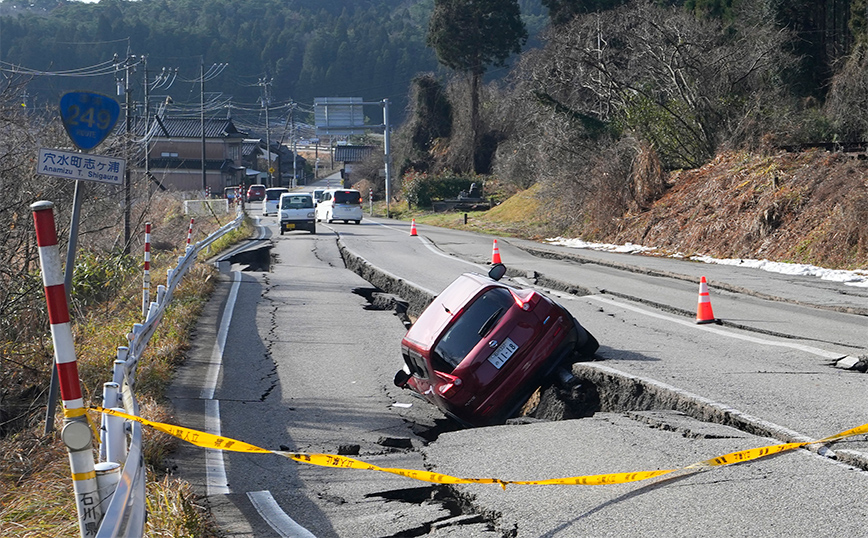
pixel 481 348
pixel 256 193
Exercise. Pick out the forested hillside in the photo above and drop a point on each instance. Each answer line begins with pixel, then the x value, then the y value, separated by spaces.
pixel 307 48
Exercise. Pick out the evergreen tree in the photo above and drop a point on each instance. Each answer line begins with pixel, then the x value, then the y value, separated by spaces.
pixel 470 35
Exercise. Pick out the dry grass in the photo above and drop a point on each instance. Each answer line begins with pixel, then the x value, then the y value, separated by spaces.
pixel 35 486
pixel 806 207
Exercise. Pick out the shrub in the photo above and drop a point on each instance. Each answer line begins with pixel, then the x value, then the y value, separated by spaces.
pixel 422 189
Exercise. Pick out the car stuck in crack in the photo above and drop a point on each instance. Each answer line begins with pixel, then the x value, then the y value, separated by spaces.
pixel 482 347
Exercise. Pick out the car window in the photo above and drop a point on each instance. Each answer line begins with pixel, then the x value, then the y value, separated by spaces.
pixel 273 194
pixel 471 325
pixel 296 202
pixel 347 197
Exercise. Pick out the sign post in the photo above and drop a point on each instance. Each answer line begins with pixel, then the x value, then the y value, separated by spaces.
pixel 88 119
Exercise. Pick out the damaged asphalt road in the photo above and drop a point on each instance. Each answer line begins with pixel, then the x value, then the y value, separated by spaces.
pixel 310 369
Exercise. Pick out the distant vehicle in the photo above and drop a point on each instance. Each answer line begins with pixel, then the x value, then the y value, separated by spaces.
pixel 296 212
pixel 256 193
pixel 272 199
pixel 230 193
pixel 481 348
pixel 340 204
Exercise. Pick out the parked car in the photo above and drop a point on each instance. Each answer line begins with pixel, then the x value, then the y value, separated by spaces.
pixel 340 204
pixel 481 348
pixel 296 212
pixel 256 193
pixel 272 199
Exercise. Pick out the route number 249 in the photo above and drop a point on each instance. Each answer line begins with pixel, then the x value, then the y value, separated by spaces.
pixel 90 117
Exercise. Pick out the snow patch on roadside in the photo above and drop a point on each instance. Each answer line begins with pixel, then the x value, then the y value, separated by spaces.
pixel 850 278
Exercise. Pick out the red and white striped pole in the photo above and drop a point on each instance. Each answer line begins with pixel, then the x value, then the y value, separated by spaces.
pixel 190 232
pixel 76 433
pixel 146 279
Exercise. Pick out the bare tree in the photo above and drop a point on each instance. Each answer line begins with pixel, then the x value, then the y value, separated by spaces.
pixel 682 84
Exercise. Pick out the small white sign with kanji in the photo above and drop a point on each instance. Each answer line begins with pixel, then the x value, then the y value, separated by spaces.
pixel 84 166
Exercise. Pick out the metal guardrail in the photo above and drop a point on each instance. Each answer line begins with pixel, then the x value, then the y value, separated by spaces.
pixel 125 514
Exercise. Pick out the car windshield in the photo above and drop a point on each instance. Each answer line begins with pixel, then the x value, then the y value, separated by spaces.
pixel 274 194
pixel 296 202
pixel 466 331
pixel 347 197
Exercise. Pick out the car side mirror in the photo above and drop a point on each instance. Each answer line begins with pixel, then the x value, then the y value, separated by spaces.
pixel 401 378
pixel 497 271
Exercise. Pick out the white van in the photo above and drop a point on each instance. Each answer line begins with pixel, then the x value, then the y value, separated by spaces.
pixel 272 199
pixel 340 204
pixel 296 212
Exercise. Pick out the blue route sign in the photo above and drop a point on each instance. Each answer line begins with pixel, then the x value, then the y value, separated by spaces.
pixel 88 118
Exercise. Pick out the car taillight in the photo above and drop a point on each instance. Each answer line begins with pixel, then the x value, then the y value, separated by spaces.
pixel 525 299
pixel 451 386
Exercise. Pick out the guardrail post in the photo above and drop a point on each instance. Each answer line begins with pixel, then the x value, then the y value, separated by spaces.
pixel 110 393
pixel 161 293
pixel 108 474
pixel 116 439
pixel 76 434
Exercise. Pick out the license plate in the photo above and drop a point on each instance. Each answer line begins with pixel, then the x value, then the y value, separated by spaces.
pixel 289 226
pixel 503 353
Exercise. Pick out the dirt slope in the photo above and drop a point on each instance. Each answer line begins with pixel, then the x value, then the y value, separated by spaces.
pixel 809 207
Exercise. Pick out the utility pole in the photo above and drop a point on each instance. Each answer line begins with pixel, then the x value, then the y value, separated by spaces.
pixel 387 145
pixel 292 140
pixel 124 87
pixel 266 101
pixel 202 122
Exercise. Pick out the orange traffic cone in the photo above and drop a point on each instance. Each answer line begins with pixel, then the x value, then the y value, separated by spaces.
pixel 413 228
pixel 703 308
pixel 495 254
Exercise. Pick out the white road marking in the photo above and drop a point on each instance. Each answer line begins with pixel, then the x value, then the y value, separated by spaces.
pixel 215 470
pixel 213 373
pixel 721 332
pixel 216 481
pixel 276 518
pixel 430 246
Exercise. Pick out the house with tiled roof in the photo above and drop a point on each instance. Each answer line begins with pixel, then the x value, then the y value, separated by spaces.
pixel 175 153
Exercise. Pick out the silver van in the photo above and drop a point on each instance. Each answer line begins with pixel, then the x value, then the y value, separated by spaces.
pixel 272 199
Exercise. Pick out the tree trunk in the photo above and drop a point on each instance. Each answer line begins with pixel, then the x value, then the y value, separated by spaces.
pixel 474 115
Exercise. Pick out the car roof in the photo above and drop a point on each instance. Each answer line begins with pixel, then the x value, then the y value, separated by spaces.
pixel 299 193
pixel 450 301
pixel 278 189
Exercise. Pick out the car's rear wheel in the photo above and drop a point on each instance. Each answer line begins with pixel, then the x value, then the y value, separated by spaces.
pixel 586 344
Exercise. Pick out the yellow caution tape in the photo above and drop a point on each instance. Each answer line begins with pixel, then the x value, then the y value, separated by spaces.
pixel 207 440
